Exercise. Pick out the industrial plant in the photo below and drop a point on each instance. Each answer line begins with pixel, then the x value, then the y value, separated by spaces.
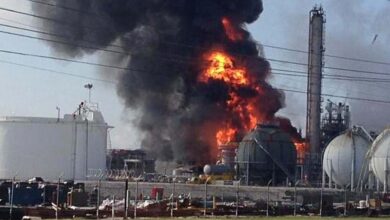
pixel 213 146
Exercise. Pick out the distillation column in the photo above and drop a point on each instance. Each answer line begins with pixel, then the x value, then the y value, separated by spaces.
pixel 315 65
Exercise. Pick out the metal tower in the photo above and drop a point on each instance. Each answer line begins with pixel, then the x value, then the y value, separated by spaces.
pixel 315 64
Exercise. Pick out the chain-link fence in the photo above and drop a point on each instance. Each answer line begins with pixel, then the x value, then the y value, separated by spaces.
pixel 165 199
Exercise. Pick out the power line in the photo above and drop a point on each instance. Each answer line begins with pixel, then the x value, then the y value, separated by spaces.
pixel 46 18
pixel 175 43
pixel 63 59
pixel 339 77
pixel 271 59
pixel 176 60
pixel 63 7
pixel 58 72
pixel 332 68
pixel 289 90
pixel 47 33
pixel 327 55
pixel 339 96
pixel 109 66
pixel 331 76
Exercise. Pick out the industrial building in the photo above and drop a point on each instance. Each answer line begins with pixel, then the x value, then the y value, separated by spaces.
pixel 52 148
pixel 135 162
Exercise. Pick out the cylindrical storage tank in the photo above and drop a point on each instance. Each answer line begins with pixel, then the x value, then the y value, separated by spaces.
pixel 216 169
pixel 266 153
pixel 380 157
pixel 51 148
pixel 344 157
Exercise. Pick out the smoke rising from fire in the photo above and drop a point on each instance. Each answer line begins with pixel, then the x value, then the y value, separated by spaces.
pixel 170 44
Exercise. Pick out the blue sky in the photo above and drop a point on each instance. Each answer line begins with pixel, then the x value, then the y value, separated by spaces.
pixel 350 28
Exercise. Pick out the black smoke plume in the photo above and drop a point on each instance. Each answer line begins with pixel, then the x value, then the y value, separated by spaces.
pixel 167 40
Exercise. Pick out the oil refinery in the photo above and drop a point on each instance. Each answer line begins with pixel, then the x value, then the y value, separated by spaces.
pixel 212 143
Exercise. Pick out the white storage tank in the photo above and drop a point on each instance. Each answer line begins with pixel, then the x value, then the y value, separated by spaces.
pixel 344 157
pixel 69 147
pixel 380 157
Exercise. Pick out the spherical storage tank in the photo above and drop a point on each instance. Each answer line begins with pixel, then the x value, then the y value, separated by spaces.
pixel 380 157
pixel 69 147
pixel 345 153
pixel 266 153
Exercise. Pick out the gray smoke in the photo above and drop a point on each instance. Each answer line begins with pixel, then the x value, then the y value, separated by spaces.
pixel 166 40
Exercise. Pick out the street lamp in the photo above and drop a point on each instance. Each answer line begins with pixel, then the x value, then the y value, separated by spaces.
pixel 268 184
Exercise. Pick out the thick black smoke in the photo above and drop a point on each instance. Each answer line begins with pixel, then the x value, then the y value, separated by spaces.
pixel 167 40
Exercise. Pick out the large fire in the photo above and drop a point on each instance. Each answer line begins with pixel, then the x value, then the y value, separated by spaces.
pixel 243 111
pixel 221 66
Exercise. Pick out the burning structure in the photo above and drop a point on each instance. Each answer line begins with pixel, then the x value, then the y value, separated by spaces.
pixel 194 73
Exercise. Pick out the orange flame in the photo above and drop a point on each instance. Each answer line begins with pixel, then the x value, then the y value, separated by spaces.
pixel 221 66
pixel 232 33
pixel 301 150
pixel 225 135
